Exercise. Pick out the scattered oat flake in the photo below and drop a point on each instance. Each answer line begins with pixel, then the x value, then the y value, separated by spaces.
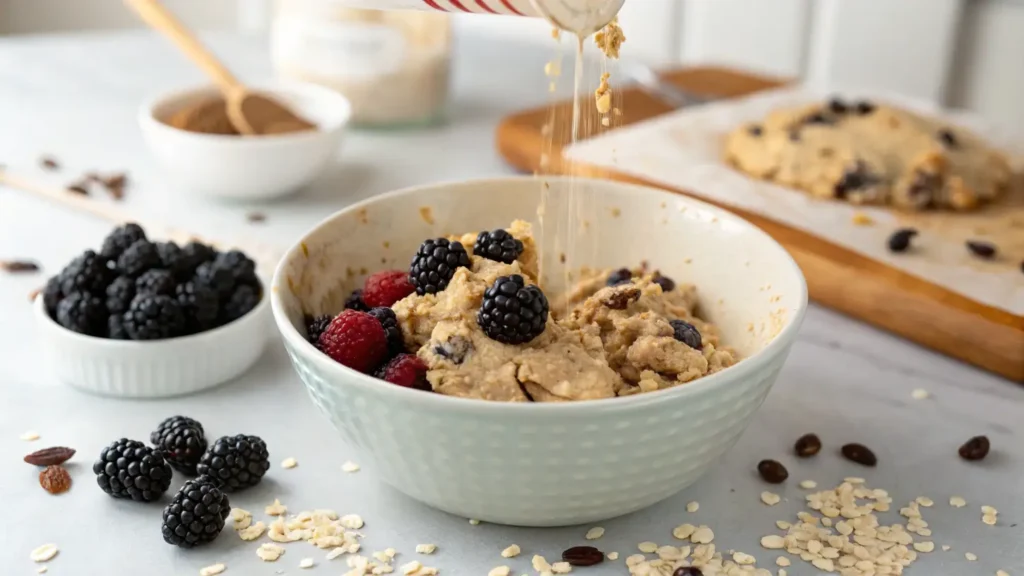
pixel 474 522
pixel 925 501
pixel 426 548
pixel 770 498
pixel 647 547
pixel 970 556
pixel 925 546
pixel 703 535
pixel 693 506
pixel 540 564
pixel 988 510
pixel 773 542
pixel 613 555
pixel 352 521
pixel 350 467
pixel 561 567
pixel 990 519
pixel 41 570
pixel 854 480
pixel 29 436
pixel 594 533
pixel 511 552
pixel 683 531
pixel 252 532
pixel 808 484
pixel 269 552
pixel 782 561
pixel 335 553
pixel 957 502
pixel 306 563
pixel 946 547
pixel 1002 573
pixel 499 571
pixel 44 553
pixel 276 509
pixel 289 463
pixel 213 569
pixel 920 394
pixel 241 519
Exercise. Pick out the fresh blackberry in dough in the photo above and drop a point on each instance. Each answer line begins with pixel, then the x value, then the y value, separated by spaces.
pixel 687 334
pixel 435 264
pixel 512 312
pixel 620 276
pixel 498 245
pixel 388 321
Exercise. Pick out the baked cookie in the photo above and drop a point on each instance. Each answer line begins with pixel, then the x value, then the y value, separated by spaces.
pixel 868 153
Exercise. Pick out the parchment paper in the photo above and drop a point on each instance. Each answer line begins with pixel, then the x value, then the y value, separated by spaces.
pixel 683 150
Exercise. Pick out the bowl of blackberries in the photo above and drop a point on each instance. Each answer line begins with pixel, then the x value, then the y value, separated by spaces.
pixel 145 318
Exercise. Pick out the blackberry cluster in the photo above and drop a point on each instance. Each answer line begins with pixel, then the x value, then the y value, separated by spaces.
pixel 687 334
pixel 435 264
pixel 315 326
pixel 498 245
pixel 388 321
pixel 182 441
pixel 130 469
pixel 355 302
pixel 620 276
pixel 135 289
pixel 512 312
pixel 237 462
pixel 196 515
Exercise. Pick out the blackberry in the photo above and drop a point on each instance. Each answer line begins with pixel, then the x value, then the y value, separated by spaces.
pixel 242 268
pixel 153 318
pixel 498 245
pixel 155 282
pixel 173 260
pixel 115 328
pixel 315 326
pixel 667 284
pixel 196 515
pixel 216 278
pixel 120 294
pixel 86 273
pixel 193 254
pixel 237 462
pixel 83 313
pixel 51 296
pixel 512 312
pixel 138 258
pixel 435 264
pixel 242 300
pixel 620 276
pixel 388 321
pixel 199 304
pixel 120 239
pixel 687 334
pixel 355 302
pixel 130 469
pixel 182 441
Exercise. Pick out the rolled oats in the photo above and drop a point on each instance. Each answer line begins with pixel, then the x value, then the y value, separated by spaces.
pixel 770 498
pixel 540 564
pixel 511 552
pixel 41 570
pixel 44 553
pixel 350 467
pixel 212 570
pixel 561 568
pixel 474 522
pixel 613 555
pixel 334 553
pixel 990 519
pixel 743 559
pixel 692 506
pixel 411 567
pixel 703 535
pixel 925 501
pixel 29 436
pixel 594 533
pixel 683 531
pixel 252 532
pixel 919 394
pixel 782 561
pixel 970 556
pixel 426 548
pixel 499 571
pixel 1002 573
pixel 240 519
pixel 773 542
pixel 306 563
pixel 647 547
pixel 289 463
pixel 957 502
pixel 269 552
pixel 276 509
pixel 808 484
pixel 352 521
pixel 924 546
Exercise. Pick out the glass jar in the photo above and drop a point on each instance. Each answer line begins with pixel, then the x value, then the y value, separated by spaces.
pixel 393 66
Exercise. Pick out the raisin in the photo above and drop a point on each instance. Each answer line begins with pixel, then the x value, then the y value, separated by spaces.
pixel 772 471
pixel 976 448
pixel 807 445
pixel 55 479
pixel 900 239
pixel 860 454
pixel 981 249
pixel 583 556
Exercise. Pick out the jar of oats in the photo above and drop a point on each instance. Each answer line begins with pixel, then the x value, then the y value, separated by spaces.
pixel 393 66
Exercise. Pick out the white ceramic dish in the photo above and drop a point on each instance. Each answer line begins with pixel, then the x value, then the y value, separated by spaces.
pixel 247 167
pixel 155 369
pixel 547 464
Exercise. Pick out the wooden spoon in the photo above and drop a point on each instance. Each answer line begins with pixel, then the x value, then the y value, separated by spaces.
pixel 249 112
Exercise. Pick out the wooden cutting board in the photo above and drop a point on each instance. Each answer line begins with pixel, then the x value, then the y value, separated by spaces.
pixel 865 289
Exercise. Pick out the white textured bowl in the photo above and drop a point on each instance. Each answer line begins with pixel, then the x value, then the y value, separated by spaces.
pixel 157 368
pixel 547 464
pixel 247 167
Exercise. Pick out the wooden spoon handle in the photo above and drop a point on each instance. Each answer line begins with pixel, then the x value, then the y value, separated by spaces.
pixel 157 17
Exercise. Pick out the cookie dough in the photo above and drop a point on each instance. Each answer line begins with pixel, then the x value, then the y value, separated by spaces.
pixel 868 153
pixel 615 341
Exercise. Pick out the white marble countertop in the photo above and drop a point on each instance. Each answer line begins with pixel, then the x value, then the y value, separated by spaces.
pixel 75 97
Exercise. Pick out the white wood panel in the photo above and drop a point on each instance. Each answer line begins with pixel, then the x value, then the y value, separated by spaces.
pixel 32 16
pixel 988 75
pixel 904 46
pixel 767 36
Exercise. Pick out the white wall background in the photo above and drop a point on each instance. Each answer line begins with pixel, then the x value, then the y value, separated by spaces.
pixel 967 53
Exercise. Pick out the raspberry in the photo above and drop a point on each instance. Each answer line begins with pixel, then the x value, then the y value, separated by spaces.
pixel 512 312
pixel 120 239
pixel 86 273
pixel 315 326
pixel 620 276
pixel 83 313
pixel 356 340
pixel 498 245
pixel 435 264
pixel 407 371
pixel 155 282
pixel 355 302
pixel 687 334
pixel 389 322
pixel 137 258
pixel 383 289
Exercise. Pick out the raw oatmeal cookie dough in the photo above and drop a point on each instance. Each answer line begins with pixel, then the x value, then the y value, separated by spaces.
pixel 616 341
pixel 869 153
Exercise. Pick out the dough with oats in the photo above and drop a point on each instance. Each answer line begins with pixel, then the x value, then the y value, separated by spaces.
pixel 868 153
pixel 615 341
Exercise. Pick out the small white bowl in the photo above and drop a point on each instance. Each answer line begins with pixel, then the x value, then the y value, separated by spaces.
pixel 558 463
pixel 247 167
pixel 158 368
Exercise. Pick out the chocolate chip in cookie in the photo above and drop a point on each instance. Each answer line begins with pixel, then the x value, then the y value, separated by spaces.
pixel 981 249
pixel 857 180
pixel 900 239
pixel 947 138
pixel 621 299
pixel 837 106
pixel 755 130
pixel 819 118
pixel 864 107
pixel 922 191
